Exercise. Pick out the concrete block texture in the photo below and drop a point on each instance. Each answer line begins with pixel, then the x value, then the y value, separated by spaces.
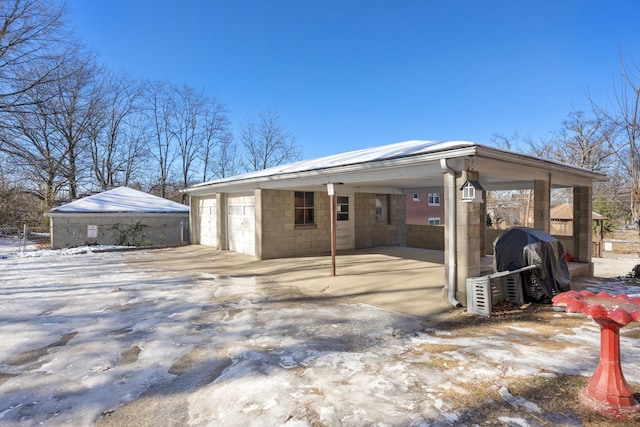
pixel 122 230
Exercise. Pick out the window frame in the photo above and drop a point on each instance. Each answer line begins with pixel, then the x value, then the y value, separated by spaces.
pixel 306 209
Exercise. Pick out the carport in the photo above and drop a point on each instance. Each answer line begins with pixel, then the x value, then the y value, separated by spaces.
pixel 266 219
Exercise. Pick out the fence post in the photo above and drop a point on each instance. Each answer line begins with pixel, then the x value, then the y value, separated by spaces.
pixel 25 230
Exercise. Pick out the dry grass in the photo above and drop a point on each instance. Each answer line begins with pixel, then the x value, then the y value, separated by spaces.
pixel 556 395
pixel 625 242
pixel 557 398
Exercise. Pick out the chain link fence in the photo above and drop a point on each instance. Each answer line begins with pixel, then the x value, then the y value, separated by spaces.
pixel 25 237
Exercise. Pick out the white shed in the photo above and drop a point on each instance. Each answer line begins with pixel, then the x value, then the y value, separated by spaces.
pixel 121 216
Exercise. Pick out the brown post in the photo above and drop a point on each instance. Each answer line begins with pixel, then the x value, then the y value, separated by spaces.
pixel 333 233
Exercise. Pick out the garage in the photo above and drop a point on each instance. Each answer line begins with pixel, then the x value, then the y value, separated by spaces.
pixel 241 223
pixel 261 214
pixel 207 221
pixel 121 216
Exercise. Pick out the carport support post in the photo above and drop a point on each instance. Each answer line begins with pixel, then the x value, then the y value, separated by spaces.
pixel 468 236
pixel 332 210
pixel 582 218
pixel 194 230
pixel 222 214
pixel 467 219
pixel 542 205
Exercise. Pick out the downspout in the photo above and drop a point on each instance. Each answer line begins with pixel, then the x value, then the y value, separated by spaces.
pixel 451 222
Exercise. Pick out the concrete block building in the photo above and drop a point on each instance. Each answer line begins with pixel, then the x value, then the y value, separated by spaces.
pixel 285 211
pixel 121 216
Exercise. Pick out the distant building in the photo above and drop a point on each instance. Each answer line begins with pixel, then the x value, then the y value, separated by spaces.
pixel 425 208
pixel 562 219
pixel 121 216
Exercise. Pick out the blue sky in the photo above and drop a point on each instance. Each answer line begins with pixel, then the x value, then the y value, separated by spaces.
pixel 346 75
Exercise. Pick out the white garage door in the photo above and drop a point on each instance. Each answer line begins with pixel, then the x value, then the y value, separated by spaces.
pixel 207 225
pixel 241 223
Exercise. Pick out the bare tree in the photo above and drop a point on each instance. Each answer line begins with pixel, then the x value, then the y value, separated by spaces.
pixel 581 141
pixel 114 142
pixel 32 46
pixel 623 121
pixel 503 141
pixel 134 168
pixel 267 143
pixel 33 146
pixel 160 104
pixel 77 101
pixel 186 122
pixel 226 161
pixel 215 135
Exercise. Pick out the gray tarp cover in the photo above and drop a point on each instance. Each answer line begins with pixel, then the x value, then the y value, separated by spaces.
pixel 519 247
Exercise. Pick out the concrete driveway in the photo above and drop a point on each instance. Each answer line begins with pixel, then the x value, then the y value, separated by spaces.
pixel 406 280
pixel 401 279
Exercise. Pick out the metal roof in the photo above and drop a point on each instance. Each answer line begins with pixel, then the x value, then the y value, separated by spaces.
pixel 407 167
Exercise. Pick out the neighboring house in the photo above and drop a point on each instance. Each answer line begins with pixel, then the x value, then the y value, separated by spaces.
pixel 425 208
pixel 284 211
pixel 562 219
pixel 121 216
pixel 562 225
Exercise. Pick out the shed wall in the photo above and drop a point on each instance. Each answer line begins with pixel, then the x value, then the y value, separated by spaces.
pixel 127 230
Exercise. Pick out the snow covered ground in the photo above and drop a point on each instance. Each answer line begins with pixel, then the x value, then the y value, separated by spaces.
pixel 87 338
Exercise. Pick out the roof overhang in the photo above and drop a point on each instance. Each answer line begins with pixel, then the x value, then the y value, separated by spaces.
pixel 106 214
pixel 498 170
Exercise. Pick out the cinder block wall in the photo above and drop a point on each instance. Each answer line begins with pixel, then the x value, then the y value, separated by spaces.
pixel 137 230
pixel 369 233
pixel 281 237
pixel 425 237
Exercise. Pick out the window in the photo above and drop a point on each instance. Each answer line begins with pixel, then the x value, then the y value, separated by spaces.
pixel 304 207
pixel 343 208
pixel 434 199
pixel 416 197
pixel 382 208
pixel 434 221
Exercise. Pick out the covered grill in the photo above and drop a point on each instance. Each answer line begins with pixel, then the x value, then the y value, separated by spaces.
pixel 519 247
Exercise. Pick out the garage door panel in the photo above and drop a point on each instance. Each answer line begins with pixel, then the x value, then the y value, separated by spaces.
pixel 241 223
pixel 207 211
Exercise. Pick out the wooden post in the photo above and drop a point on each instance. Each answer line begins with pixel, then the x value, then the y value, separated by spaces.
pixel 332 209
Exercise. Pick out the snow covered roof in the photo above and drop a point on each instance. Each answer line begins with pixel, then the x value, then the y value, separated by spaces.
pixel 121 200
pixel 366 155
pixel 405 166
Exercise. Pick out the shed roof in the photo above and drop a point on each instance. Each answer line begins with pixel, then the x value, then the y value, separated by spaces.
pixel 120 200
pixel 565 211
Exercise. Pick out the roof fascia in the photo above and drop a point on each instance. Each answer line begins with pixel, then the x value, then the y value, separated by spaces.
pixel 137 214
pixel 332 174
pixel 545 166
